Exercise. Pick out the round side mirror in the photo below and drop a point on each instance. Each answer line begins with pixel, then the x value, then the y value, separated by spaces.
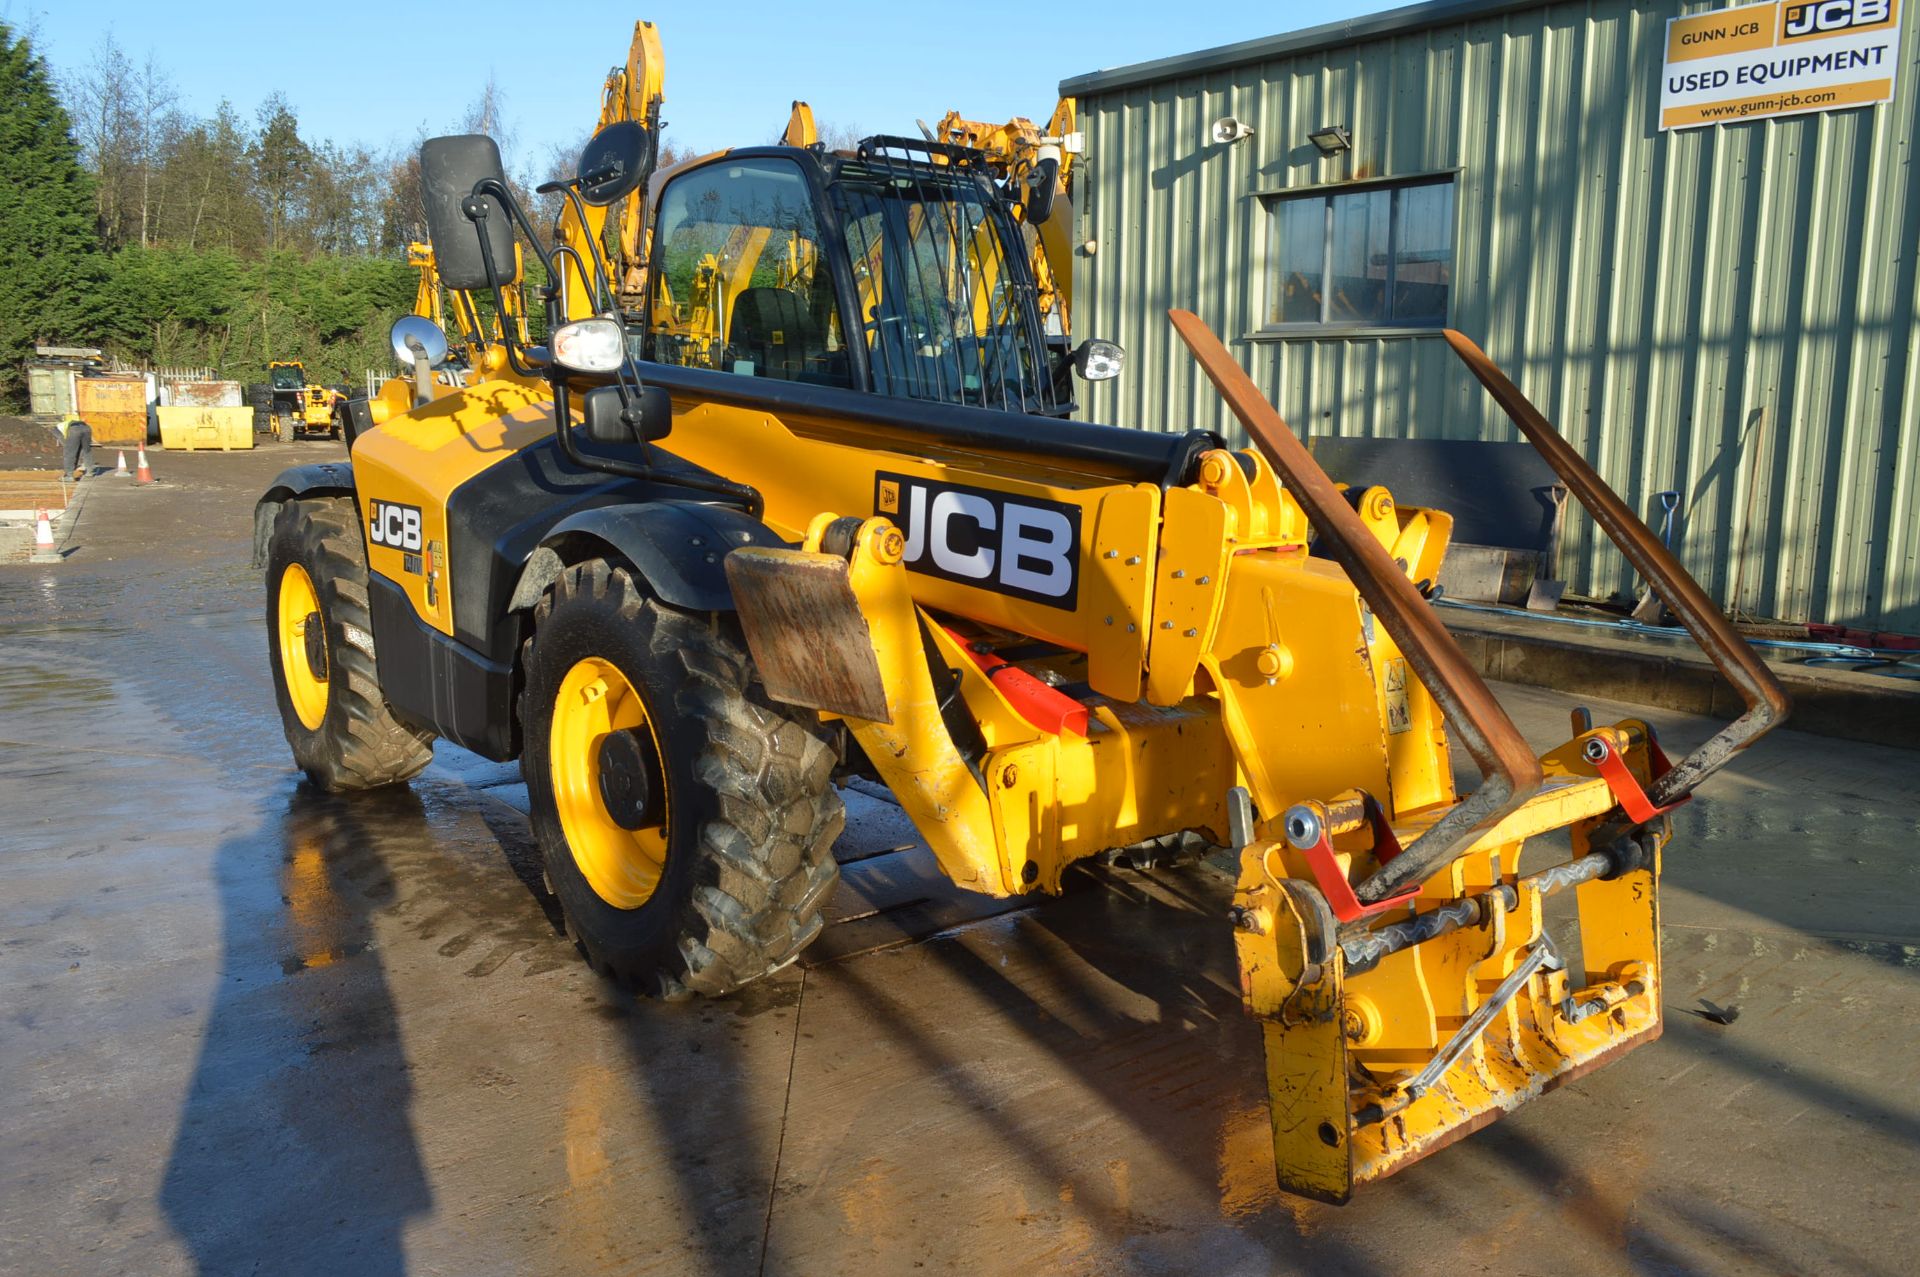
pixel 411 330
pixel 614 163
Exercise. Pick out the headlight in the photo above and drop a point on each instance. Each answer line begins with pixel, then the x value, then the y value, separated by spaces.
pixel 1098 360
pixel 590 345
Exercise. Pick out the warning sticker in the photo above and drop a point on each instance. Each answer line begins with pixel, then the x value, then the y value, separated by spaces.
pixel 1399 717
pixel 1785 58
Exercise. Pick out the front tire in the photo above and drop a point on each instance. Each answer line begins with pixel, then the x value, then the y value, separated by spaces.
pixel 686 821
pixel 320 646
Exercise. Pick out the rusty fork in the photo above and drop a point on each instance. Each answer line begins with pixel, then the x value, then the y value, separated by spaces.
pixel 1766 701
pixel 1511 773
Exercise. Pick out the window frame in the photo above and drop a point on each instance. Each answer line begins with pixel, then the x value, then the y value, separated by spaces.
pixel 1271 203
pixel 828 242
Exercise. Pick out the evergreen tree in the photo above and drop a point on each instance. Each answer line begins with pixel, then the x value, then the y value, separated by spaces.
pixel 49 246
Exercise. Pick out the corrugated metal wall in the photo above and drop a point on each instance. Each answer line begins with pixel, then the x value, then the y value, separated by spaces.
pixel 1704 311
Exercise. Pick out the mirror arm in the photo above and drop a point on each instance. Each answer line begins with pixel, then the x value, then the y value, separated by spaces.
pixel 476 212
pixel 515 214
pixel 422 374
pixel 560 255
pixel 600 278
pixel 507 341
pixel 738 493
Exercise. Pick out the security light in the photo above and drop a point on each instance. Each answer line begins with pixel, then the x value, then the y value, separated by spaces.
pixel 1331 139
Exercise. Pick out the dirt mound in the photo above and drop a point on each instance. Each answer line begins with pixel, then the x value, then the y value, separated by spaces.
pixel 24 442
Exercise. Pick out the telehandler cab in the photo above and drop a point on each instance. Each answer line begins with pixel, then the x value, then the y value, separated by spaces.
pixel 816 513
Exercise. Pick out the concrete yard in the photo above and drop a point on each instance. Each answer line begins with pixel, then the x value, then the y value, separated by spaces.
pixel 248 1027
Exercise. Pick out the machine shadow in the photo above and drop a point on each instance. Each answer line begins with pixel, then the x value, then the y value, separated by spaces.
pixel 295 1151
pixel 1128 982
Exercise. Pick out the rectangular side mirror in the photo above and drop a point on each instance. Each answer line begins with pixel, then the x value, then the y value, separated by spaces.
pixel 449 167
pixel 650 418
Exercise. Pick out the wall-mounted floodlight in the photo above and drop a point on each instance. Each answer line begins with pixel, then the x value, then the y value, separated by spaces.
pixel 1331 139
pixel 1227 130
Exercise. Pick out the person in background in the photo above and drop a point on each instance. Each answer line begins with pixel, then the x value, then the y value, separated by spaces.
pixel 76 448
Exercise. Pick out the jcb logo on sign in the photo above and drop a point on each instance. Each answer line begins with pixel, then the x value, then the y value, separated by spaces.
pixel 1824 17
pixel 395 526
pixel 1020 546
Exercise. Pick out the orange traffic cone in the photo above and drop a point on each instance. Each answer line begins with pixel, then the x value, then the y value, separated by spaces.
pixel 43 551
pixel 143 474
pixel 120 466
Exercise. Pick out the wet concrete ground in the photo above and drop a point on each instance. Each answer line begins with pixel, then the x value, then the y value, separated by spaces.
pixel 246 1027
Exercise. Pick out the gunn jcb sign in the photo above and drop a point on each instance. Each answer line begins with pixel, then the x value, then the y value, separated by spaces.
pixel 1758 60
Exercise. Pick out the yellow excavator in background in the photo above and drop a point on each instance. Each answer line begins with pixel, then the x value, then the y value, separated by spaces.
pixel 1037 168
pixel 631 97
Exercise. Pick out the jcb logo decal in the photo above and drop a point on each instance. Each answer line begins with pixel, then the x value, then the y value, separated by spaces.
pixel 976 536
pixel 1823 17
pixel 395 526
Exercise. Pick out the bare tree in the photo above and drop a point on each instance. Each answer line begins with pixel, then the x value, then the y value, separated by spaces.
pixel 101 98
pixel 154 94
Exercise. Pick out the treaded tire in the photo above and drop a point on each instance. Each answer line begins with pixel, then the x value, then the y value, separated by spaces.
pixel 752 814
pixel 358 744
pixel 288 431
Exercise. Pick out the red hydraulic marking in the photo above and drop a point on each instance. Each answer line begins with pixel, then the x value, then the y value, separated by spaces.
pixel 1046 707
pixel 1339 892
pixel 1625 786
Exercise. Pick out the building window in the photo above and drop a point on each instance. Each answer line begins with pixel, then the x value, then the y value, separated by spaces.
pixel 1380 256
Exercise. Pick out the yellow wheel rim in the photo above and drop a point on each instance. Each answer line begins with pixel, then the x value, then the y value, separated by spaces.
pixel 303 637
pixel 622 865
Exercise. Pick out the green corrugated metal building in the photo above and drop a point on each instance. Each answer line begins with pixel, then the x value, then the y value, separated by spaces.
pixel 1727 311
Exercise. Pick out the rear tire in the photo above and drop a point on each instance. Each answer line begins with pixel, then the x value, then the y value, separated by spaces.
pixel 749 816
pixel 345 737
pixel 288 432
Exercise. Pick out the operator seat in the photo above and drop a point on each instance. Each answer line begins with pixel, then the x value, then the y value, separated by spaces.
pixel 774 328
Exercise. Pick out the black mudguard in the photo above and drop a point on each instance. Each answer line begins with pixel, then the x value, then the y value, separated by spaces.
pixel 315 479
pixel 676 547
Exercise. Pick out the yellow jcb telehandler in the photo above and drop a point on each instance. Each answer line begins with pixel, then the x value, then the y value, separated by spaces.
pixel 298 407
pixel 691 585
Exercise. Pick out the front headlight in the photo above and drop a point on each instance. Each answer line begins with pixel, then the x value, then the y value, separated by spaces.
pixel 1098 360
pixel 590 345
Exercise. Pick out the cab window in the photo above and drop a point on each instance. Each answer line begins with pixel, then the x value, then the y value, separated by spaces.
pixel 740 281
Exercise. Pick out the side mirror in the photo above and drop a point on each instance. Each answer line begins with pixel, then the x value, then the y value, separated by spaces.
pixel 411 331
pixel 1043 183
pixel 611 420
pixel 449 169
pixel 1097 360
pixel 614 163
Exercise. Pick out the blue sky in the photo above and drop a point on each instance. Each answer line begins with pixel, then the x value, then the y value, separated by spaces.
pixel 732 69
